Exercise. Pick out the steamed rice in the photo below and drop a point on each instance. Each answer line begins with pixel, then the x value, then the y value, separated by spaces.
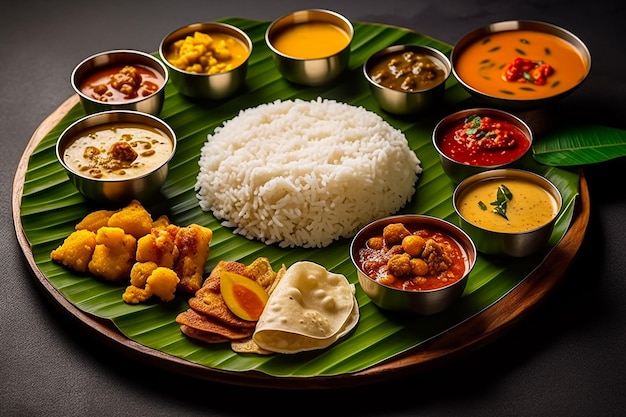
pixel 305 173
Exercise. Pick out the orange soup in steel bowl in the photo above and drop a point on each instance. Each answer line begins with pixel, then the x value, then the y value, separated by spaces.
pixel 520 64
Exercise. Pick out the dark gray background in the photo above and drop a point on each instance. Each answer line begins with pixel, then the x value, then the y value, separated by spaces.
pixel 565 359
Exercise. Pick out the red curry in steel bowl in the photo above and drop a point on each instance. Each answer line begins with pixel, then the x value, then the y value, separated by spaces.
pixel 474 140
pixel 413 263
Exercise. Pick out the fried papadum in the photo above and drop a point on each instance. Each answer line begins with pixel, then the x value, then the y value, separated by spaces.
pixel 310 308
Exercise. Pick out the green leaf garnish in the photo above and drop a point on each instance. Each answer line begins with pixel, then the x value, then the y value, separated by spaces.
pixel 507 193
pixel 474 121
pixel 503 195
pixel 482 205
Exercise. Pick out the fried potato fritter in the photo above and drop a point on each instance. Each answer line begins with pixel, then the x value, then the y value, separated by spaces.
pixel 76 250
pixel 157 257
pixel 134 219
pixel 193 251
pixel 114 254
pixel 159 246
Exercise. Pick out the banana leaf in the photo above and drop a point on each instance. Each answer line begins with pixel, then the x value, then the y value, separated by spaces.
pixel 580 145
pixel 51 206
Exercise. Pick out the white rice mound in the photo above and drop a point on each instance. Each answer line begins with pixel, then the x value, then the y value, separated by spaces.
pixel 305 173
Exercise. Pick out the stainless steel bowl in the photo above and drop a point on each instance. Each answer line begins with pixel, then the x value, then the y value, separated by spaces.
pixel 458 171
pixel 513 25
pixel 515 244
pixel 407 102
pixel 202 85
pixel 115 190
pixel 420 302
pixel 151 104
pixel 314 71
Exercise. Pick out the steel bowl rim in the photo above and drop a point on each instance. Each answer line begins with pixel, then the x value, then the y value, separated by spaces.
pixel 157 62
pixel 60 141
pixel 506 173
pixel 472 257
pixel 190 28
pixel 399 47
pixel 340 17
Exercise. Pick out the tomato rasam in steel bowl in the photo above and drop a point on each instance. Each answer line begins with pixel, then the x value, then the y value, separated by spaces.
pixel 413 263
pixel 475 140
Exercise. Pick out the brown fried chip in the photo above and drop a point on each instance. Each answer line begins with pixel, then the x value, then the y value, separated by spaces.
pixel 248 345
pixel 213 305
pixel 260 271
pixel 203 323
pixel 205 337
pixel 209 319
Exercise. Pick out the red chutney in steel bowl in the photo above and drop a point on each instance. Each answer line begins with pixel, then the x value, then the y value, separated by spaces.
pixel 412 258
pixel 483 141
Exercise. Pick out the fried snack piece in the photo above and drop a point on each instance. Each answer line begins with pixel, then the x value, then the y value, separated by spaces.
pixel 248 345
pixel 209 301
pixel 205 337
pixel 161 222
pixel 193 251
pixel 140 272
pixel 161 282
pixel 114 254
pixel 209 319
pixel 95 220
pixel 76 250
pixel 159 246
pixel 134 219
pixel 206 325
pixel 261 271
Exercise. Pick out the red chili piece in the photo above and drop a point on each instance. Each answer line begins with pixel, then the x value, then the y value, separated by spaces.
pixel 527 70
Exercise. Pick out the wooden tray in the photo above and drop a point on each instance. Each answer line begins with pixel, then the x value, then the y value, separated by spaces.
pixel 471 334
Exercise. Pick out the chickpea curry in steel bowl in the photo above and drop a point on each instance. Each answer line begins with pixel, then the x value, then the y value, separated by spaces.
pixel 413 263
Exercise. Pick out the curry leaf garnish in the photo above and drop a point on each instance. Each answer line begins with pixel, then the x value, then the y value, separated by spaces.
pixel 482 205
pixel 503 195
pixel 507 193
pixel 474 122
